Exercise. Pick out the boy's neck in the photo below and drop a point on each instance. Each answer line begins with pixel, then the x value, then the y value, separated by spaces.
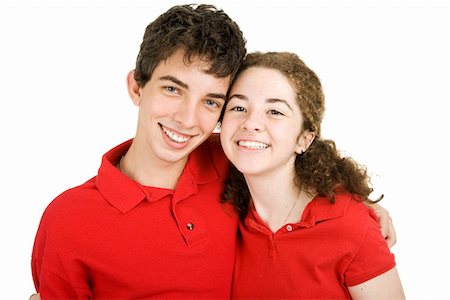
pixel 137 165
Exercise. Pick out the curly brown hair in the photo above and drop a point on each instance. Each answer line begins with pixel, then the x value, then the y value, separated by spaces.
pixel 202 31
pixel 321 169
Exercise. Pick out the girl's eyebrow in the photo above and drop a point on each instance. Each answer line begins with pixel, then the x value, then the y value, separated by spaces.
pixel 239 96
pixel 276 100
pixel 270 100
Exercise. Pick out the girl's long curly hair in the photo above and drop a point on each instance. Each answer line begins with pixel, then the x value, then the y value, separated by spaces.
pixel 321 169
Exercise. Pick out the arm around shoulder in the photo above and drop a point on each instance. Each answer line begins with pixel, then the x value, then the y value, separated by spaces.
pixel 384 286
pixel 35 297
pixel 385 222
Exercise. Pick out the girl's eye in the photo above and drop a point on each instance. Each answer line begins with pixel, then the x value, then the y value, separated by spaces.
pixel 238 108
pixel 275 112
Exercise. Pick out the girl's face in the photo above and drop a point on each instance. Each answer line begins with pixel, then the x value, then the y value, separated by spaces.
pixel 261 129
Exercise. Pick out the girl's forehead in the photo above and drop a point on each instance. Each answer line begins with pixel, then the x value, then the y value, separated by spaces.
pixel 264 82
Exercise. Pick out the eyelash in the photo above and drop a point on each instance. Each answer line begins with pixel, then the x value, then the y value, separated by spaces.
pixel 209 101
pixel 273 112
pixel 171 89
pixel 237 108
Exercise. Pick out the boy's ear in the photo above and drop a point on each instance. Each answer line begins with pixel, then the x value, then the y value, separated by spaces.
pixel 134 90
pixel 304 141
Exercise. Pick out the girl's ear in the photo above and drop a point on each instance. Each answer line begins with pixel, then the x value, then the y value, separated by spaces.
pixel 134 90
pixel 304 141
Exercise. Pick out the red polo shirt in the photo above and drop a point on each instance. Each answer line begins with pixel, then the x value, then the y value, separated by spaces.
pixel 112 238
pixel 333 246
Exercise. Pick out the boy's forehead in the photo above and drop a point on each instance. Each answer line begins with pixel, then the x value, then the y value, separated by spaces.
pixel 179 62
pixel 192 75
pixel 180 58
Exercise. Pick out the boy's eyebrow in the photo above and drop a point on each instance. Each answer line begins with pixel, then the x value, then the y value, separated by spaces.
pixel 220 96
pixel 175 80
pixel 270 100
pixel 186 86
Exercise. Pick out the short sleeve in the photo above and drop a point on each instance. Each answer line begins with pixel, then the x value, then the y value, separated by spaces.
pixel 373 257
pixel 56 274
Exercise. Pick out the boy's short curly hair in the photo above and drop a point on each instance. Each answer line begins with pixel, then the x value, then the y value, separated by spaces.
pixel 203 31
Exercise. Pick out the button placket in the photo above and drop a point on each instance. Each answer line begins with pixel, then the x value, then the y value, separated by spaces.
pixel 190 226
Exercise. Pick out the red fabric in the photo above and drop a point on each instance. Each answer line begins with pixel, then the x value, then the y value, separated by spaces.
pixel 112 238
pixel 332 247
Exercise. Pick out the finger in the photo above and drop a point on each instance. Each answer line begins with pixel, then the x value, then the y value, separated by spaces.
pixel 383 219
pixel 391 237
pixel 384 225
pixel 34 297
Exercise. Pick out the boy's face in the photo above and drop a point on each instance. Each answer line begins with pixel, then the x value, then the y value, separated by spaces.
pixel 178 108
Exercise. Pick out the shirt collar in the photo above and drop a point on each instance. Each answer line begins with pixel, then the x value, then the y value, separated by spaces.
pixel 319 209
pixel 200 169
pixel 125 193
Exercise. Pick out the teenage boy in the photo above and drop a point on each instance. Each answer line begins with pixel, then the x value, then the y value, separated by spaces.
pixel 151 223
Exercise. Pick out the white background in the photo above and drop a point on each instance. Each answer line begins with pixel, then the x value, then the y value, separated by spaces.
pixel 384 66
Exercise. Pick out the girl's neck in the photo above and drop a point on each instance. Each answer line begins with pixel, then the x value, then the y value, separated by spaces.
pixel 277 200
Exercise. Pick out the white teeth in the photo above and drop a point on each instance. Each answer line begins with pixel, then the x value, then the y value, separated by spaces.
pixel 173 136
pixel 253 145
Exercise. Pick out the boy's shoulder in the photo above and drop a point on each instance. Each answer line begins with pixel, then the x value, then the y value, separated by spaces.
pixel 73 202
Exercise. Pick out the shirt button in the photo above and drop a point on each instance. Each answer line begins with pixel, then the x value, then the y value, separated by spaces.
pixel 289 228
pixel 190 226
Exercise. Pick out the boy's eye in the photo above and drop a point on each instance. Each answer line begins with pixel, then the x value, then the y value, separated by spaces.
pixel 170 89
pixel 212 103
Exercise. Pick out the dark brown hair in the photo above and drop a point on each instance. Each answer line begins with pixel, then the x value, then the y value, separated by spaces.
pixel 203 31
pixel 320 169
